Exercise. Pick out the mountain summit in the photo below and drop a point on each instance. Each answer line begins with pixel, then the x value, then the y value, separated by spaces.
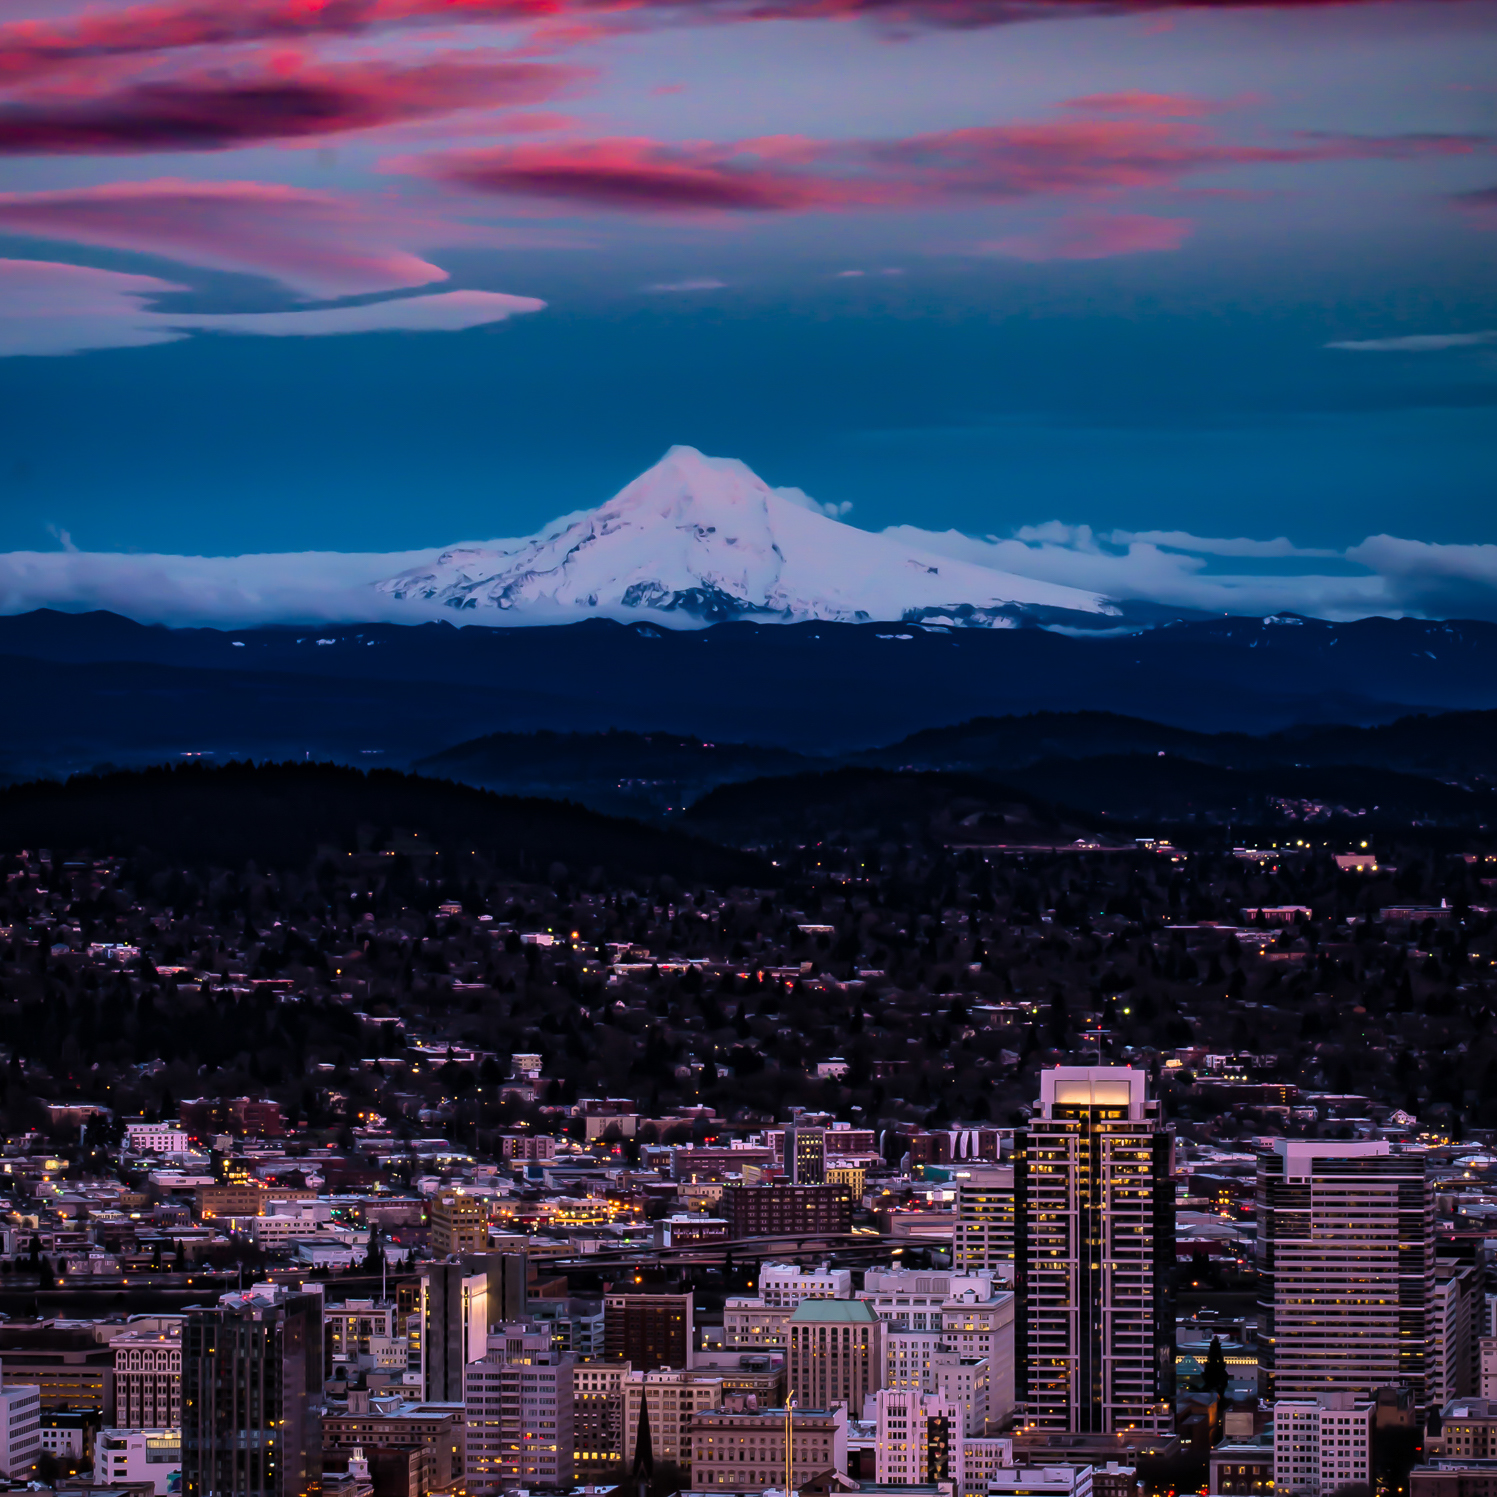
pixel 706 539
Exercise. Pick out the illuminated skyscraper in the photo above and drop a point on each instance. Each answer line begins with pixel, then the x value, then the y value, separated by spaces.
pixel 1095 1250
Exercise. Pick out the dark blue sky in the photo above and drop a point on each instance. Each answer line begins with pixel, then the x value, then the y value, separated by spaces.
pixel 1145 395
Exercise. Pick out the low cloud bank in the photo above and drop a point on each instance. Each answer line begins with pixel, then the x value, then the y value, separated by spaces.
pixel 1384 575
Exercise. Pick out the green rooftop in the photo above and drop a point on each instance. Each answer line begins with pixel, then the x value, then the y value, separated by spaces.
pixel 840 1310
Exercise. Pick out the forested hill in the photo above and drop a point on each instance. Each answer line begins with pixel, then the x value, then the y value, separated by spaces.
pixel 282 815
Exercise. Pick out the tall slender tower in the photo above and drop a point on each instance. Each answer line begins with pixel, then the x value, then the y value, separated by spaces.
pixel 1095 1251
pixel 1346 1258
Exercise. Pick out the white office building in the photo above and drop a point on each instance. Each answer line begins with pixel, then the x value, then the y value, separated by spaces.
pixel 153 1455
pixel 156 1138
pixel 919 1439
pixel 908 1356
pixel 785 1285
pixel 982 1462
pixel 1321 1444
pixel 916 1298
pixel 20 1429
pixel 1042 1481
pixel 974 1327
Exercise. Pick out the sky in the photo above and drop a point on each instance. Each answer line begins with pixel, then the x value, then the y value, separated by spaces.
pixel 1139 295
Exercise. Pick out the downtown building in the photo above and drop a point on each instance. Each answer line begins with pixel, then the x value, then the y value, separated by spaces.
pixel 649 1329
pixel 1347 1265
pixel 743 1450
pixel 252 1395
pixel 518 1411
pixel 781 1209
pixel 148 1374
pixel 836 1354
pixel 983 1239
pixel 1095 1251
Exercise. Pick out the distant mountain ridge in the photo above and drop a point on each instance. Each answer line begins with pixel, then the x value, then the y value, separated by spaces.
pixel 86 688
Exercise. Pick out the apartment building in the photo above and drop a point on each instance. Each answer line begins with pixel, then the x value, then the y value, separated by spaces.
pixel 1456 1309
pixel 1346 1258
pixel 963 1381
pixel 459 1224
pixel 649 1330
pixel 156 1138
pixel 973 1327
pixel 752 1323
pixel 786 1210
pixel 1468 1427
pixel 917 1298
pixel 353 1328
pixel 1321 1444
pixel 907 1357
pixel 983 1461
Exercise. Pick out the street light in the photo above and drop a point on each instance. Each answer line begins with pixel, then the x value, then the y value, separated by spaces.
pixel 789 1436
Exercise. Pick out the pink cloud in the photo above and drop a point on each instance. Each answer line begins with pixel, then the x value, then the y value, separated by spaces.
pixel 290 100
pixel 640 175
pixel 1156 106
pixel 315 242
pixel 1095 237
pixel 993 163
pixel 49 309
pixel 30 49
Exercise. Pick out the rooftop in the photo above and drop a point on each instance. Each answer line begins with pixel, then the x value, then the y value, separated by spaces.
pixel 839 1310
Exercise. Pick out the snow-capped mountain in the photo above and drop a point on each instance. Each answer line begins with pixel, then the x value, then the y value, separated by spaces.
pixel 704 539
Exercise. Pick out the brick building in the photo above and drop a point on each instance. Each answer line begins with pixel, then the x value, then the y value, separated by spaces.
pixel 783 1210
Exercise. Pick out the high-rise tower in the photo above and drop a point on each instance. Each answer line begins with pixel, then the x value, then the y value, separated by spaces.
pixel 1095 1250
pixel 1346 1258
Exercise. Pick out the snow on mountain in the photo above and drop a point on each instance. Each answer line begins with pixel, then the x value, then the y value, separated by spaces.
pixel 704 539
